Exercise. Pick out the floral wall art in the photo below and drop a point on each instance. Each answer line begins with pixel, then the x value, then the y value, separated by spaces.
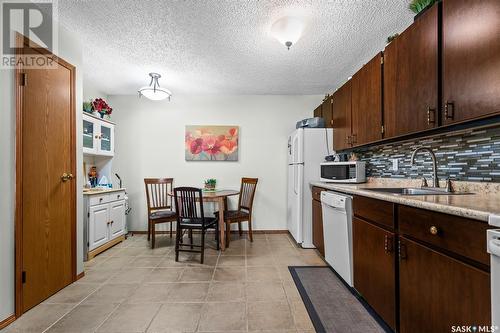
pixel 211 143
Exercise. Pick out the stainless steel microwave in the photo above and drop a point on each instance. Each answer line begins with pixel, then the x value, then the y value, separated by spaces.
pixel 343 172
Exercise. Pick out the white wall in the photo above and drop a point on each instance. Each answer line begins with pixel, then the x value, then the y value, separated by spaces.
pixel 70 50
pixel 150 143
pixel 90 92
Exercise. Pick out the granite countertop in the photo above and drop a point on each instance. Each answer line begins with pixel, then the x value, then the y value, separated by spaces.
pixel 101 191
pixel 478 206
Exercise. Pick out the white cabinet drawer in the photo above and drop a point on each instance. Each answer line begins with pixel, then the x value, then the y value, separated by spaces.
pixel 106 197
pixel 98 199
pixel 114 196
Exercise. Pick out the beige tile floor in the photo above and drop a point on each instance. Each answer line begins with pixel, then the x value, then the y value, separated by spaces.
pixel 131 288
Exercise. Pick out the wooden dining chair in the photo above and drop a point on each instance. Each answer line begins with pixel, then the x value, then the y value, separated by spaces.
pixel 244 211
pixel 159 205
pixel 190 216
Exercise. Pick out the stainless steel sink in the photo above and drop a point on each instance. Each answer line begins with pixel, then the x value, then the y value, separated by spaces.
pixel 414 191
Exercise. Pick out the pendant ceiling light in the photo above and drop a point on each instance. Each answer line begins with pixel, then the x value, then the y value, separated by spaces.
pixel 154 91
pixel 287 30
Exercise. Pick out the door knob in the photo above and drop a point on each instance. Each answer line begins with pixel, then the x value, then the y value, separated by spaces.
pixel 66 176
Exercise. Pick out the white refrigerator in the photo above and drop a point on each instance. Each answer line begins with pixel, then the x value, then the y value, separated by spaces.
pixel 307 148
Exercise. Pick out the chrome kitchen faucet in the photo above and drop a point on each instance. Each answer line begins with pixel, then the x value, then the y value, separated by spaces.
pixel 435 180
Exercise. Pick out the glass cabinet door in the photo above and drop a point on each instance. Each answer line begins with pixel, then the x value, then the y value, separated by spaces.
pixel 106 139
pixel 88 135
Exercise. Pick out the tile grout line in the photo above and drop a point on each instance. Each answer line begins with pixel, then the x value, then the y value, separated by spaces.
pixel 208 292
pixel 85 298
pixel 124 300
pixel 99 285
pixel 183 269
pixel 245 284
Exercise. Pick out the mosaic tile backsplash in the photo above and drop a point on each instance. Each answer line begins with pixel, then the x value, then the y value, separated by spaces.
pixel 470 155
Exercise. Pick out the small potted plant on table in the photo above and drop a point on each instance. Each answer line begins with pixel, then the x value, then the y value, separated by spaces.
pixel 210 185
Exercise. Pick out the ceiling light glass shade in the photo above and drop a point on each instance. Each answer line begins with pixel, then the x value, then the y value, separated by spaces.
pixel 287 30
pixel 154 92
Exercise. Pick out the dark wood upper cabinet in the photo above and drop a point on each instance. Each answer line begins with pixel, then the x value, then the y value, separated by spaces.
pixel 341 117
pixel 317 112
pixel 437 291
pixel 471 59
pixel 374 265
pixel 391 128
pixel 367 103
pixel 326 111
pixel 411 61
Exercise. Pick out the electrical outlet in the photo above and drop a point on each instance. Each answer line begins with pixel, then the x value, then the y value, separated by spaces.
pixel 395 166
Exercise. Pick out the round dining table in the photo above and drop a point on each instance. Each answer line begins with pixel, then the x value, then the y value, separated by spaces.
pixel 219 197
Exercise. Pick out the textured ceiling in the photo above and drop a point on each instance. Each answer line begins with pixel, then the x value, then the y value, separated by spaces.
pixel 224 46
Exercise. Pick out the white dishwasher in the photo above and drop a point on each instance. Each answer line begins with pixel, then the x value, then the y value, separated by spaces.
pixel 337 233
pixel 494 251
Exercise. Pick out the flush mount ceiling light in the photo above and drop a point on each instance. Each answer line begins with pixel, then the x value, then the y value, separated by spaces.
pixel 287 30
pixel 154 91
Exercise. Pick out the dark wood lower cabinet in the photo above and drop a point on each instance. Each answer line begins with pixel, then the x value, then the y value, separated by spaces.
pixel 375 268
pixel 317 217
pixel 438 292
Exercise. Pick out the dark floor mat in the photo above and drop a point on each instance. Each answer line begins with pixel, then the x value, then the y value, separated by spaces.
pixel 332 305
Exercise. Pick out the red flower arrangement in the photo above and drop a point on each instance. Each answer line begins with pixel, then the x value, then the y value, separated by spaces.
pixel 102 107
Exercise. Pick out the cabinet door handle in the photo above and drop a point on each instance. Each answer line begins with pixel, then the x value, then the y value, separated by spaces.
pixel 402 251
pixel 449 110
pixel 354 139
pixel 349 141
pixel 388 244
pixel 429 119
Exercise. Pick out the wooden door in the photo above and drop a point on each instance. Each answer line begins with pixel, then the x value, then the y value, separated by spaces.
pixel 116 219
pixel 317 218
pixel 417 76
pixel 317 112
pixel 374 268
pixel 341 117
pixel 367 103
pixel 98 226
pixel 46 203
pixel 471 59
pixel 437 291
pixel 326 111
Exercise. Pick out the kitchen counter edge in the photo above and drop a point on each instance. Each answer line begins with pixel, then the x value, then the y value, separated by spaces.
pixel 425 202
pixel 105 191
